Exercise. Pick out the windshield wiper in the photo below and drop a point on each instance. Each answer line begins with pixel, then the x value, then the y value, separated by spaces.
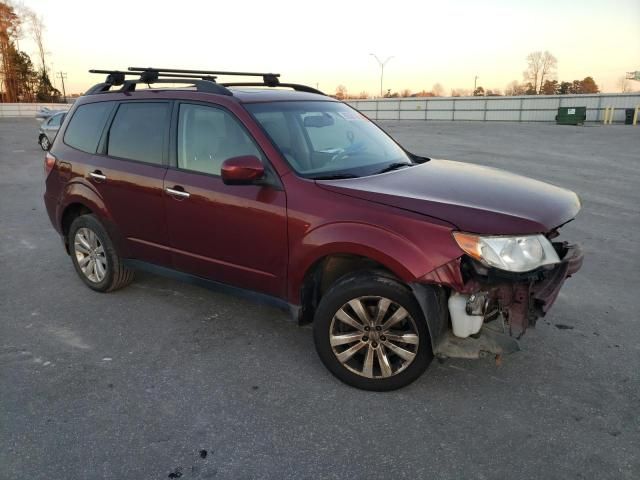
pixel 337 176
pixel 394 166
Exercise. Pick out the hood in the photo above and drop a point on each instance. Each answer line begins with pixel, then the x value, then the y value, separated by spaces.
pixel 474 198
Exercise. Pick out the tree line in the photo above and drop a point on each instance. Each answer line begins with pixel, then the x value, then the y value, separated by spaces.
pixel 538 79
pixel 20 79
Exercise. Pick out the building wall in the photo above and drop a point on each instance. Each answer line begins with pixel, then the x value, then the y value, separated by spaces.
pixel 528 108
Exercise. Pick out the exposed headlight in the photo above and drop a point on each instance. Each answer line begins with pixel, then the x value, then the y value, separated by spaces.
pixel 514 254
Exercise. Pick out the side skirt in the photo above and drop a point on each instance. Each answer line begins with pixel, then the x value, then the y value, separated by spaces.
pixel 256 297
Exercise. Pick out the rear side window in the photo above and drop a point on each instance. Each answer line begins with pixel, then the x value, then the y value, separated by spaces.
pixel 138 132
pixel 86 125
pixel 56 120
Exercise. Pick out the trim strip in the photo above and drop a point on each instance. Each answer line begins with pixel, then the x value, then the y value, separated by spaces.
pixel 201 257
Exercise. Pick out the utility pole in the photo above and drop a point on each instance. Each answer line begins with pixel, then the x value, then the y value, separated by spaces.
pixel 382 64
pixel 475 83
pixel 62 76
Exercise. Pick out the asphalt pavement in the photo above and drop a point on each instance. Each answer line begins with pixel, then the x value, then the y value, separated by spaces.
pixel 169 380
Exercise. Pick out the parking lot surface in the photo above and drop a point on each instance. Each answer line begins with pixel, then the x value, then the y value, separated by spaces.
pixel 168 380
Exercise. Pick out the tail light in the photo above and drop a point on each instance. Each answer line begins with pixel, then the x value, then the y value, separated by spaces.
pixel 49 163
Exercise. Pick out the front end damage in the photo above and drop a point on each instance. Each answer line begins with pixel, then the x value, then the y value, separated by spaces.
pixel 490 309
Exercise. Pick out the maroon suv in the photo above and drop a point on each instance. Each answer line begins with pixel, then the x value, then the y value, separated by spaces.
pixel 302 202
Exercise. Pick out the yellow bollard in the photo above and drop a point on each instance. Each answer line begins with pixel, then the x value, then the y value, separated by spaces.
pixel 608 115
pixel 635 115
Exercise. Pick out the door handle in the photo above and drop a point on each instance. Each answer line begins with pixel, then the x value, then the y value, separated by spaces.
pixel 178 193
pixel 98 176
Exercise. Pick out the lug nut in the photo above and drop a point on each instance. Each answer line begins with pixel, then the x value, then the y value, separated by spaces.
pixel 365 339
pixel 378 328
pixel 383 338
pixel 366 329
pixel 374 344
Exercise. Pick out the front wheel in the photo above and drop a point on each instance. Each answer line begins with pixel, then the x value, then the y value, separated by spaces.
pixel 370 332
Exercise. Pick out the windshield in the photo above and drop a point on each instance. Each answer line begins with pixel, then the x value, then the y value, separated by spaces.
pixel 328 139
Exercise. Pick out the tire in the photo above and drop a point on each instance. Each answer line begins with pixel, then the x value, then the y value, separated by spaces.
pixel 366 368
pixel 44 142
pixel 89 242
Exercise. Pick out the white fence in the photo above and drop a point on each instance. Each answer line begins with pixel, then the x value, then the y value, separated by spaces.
pixel 528 108
pixel 29 109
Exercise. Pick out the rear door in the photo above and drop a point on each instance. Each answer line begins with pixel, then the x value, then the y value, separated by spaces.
pixel 236 234
pixel 128 173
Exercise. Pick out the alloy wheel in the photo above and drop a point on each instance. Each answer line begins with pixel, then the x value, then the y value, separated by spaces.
pixel 44 143
pixel 374 337
pixel 90 255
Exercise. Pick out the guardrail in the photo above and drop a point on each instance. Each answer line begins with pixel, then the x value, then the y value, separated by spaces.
pixel 527 108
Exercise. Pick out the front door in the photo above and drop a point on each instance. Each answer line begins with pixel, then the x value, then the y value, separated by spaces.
pixel 235 234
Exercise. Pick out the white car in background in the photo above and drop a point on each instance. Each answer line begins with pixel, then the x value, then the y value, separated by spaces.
pixel 49 129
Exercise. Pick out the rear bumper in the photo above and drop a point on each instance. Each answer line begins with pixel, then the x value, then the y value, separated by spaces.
pixel 51 205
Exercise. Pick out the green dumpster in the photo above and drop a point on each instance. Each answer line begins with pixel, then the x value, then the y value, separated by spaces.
pixel 571 115
pixel 628 115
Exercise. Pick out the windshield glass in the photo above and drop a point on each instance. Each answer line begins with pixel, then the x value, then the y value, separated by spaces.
pixel 328 139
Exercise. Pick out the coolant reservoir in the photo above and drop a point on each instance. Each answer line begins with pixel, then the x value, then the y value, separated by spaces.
pixel 463 324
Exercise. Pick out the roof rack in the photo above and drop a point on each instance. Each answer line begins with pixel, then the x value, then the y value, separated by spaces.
pixel 203 80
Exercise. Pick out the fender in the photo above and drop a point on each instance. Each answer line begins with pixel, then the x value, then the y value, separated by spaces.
pixel 402 257
pixel 83 193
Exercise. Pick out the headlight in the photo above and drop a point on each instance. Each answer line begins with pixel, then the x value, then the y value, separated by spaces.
pixel 514 254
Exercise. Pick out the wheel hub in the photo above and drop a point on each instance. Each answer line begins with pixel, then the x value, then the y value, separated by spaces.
pixel 90 255
pixel 374 337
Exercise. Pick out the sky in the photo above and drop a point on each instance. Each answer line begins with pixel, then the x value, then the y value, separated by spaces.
pixel 328 43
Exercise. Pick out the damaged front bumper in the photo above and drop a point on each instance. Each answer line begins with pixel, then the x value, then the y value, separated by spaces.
pixel 503 304
pixel 520 298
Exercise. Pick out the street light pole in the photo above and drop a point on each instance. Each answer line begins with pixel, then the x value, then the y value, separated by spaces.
pixel 382 64
pixel 475 83
pixel 62 76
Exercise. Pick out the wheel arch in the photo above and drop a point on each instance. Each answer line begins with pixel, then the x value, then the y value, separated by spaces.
pixel 79 199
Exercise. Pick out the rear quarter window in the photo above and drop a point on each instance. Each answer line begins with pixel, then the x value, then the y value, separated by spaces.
pixel 86 126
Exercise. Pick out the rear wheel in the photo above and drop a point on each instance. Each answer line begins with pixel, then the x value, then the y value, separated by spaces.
pixel 370 332
pixel 94 256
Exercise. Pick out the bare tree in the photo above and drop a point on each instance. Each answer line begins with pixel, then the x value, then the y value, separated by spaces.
pixel 437 90
pixel 36 28
pixel 341 92
pixel 514 88
pixel 405 93
pixel 539 66
pixel 548 66
pixel 532 73
pixel 460 92
pixel 624 85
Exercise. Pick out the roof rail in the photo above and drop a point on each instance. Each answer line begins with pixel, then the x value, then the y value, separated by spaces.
pixel 295 86
pixel 203 80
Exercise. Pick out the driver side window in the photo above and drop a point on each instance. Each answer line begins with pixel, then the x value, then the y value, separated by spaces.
pixel 207 136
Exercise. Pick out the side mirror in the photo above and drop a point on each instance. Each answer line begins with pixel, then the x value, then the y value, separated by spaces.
pixel 244 170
